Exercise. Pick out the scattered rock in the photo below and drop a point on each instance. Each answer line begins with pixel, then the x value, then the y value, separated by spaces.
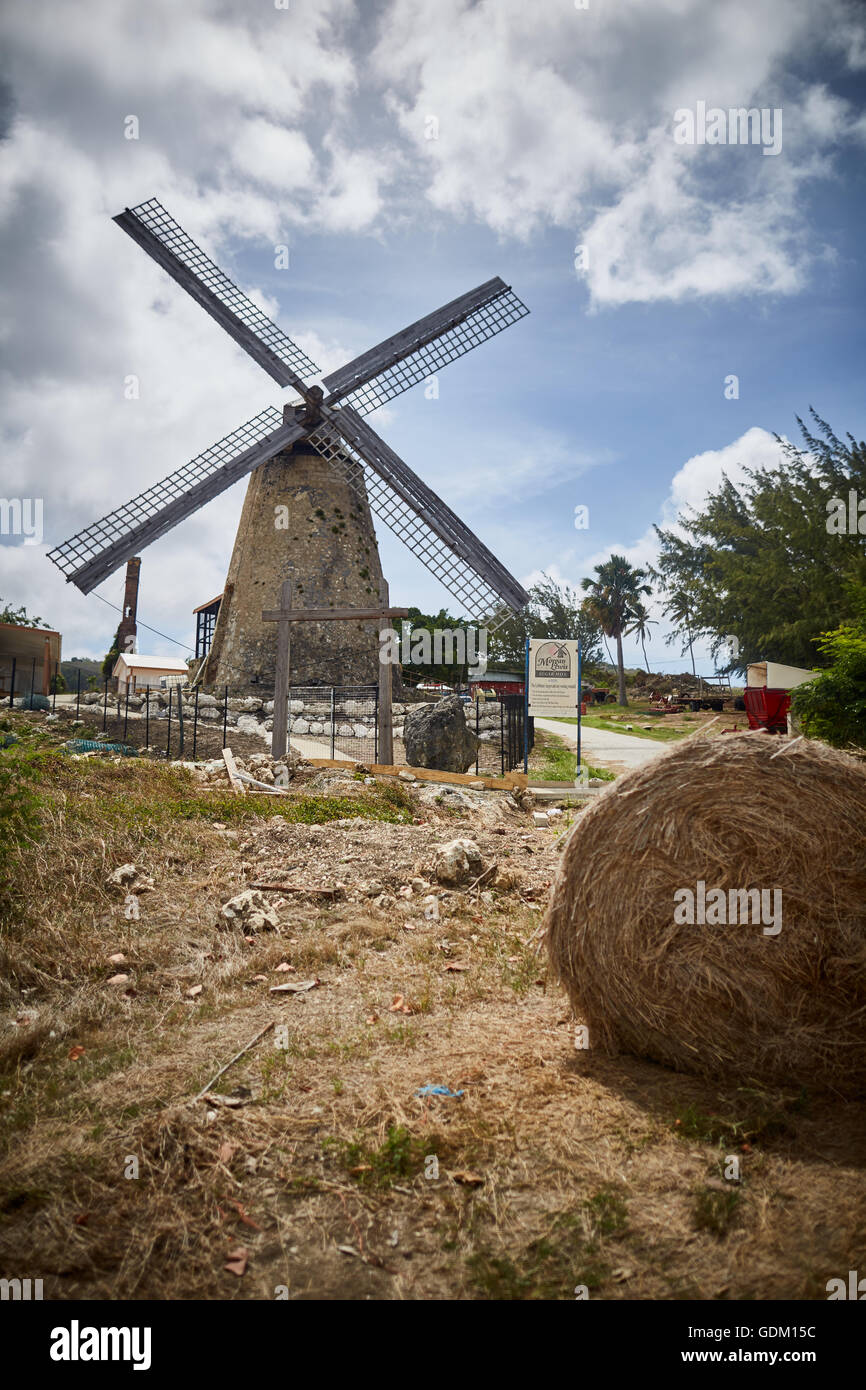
pixel 458 862
pixel 251 910
pixel 405 776
pixel 436 736
pixel 130 878
pixel 540 818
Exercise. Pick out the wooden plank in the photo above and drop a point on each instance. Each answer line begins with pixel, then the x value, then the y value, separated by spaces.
pixel 243 335
pixel 386 670
pixel 164 517
pixel 231 768
pixel 427 774
pixel 280 728
pixel 426 504
pixel 385 354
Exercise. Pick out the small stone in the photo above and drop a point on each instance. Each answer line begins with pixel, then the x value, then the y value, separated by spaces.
pixel 540 818
pixel 250 910
pixel 405 776
pixel 458 862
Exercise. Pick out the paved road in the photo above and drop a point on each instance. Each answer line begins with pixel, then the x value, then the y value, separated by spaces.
pixel 605 749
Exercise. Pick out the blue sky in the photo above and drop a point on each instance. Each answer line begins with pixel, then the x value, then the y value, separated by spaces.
pixel 309 127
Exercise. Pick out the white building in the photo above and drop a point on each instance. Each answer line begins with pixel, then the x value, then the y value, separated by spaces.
pixel 136 672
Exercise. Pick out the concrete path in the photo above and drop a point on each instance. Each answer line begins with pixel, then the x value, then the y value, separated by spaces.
pixel 604 749
pixel 315 748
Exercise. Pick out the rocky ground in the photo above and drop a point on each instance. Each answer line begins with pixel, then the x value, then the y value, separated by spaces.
pixel 411 1117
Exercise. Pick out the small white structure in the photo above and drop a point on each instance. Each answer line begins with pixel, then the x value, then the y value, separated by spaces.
pixel 775 676
pixel 134 672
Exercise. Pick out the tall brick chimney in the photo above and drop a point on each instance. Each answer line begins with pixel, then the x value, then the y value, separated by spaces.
pixel 127 627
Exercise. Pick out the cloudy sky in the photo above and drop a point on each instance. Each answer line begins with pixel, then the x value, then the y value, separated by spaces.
pixel 405 151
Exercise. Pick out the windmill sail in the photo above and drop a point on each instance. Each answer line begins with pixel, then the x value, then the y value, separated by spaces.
pixel 424 347
pixel 168 244
pixel 425 524
pixel 94 553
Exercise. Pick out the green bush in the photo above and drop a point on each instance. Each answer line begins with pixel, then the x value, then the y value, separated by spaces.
pixel 20 802
pixel 833 706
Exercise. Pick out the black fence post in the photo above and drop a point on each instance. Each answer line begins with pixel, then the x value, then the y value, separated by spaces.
pixel 54 692
pixel 180 720
pixel 147 716
pixel 502 735
pixel 78 695
pixel 126 713
pixel 195 725
pixel 105 707
pixel 225 717
pixel 477 744
pixel 32 682
pixel 12 686
pixel 168 739
pixel 333 724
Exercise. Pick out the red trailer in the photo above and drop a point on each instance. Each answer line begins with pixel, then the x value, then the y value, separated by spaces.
pixel 767 709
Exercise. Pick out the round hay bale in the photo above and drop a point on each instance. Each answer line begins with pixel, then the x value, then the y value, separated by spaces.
pixel 723 997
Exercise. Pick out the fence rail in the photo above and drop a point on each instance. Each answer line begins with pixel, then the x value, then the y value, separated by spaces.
pixel 335 722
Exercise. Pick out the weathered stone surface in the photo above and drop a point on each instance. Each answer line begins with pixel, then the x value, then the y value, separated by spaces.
pixel 250 910
pixel 248 724
pixel 330 545
pixel 458 863
pixel 437 736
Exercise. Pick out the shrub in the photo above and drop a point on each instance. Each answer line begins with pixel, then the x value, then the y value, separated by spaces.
pixel 833 706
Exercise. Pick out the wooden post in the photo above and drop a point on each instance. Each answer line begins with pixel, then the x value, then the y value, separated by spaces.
pixel 280 733
pixel 386 723
pixel 285 616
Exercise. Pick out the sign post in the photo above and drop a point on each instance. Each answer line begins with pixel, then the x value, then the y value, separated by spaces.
pixel 577 777
pixel 553 680
pixel 526 712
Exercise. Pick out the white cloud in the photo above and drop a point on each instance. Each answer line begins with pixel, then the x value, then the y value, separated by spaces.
pixel 552 116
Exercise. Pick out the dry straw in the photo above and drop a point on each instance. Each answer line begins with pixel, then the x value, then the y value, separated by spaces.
pixel 737 812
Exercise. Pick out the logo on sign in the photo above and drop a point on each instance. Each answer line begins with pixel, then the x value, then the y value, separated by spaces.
pixel 553 659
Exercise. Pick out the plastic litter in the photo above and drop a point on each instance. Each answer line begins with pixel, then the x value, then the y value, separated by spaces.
pixel 430 1090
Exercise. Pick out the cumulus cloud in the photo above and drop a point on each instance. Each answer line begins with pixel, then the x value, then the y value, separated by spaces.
pixel 553 116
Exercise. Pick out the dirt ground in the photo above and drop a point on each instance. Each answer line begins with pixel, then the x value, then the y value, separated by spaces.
pixel 313 1168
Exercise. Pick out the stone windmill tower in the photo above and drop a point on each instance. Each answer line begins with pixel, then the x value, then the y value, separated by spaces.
pixel 318 475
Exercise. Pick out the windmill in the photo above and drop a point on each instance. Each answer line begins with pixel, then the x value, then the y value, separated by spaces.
pixel 318 472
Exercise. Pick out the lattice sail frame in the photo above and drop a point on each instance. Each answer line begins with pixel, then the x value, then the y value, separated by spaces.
pixel 175 251
pixel 96 551
pixel 425 347
pixel 412 510
pixel 418 528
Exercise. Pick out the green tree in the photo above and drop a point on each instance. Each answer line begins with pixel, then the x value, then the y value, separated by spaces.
pixel 554 610
pixel 615 601
pixel 19 617
pixel 111 656
pixel 641 624
pixel 833 706
pixel 768 561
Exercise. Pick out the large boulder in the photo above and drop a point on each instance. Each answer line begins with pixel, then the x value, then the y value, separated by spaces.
pixel 436 736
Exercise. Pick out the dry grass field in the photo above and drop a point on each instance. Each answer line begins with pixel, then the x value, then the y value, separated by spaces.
pixel 314 1169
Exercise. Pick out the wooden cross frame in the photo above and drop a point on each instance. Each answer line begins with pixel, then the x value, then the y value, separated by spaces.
pixel 285 615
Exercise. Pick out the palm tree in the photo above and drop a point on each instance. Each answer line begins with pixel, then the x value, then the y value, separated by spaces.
pixel 641 624
pixel 678 610
pixel 615 600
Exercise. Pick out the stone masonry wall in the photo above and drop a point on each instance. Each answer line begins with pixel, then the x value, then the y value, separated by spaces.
pixel 329 548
